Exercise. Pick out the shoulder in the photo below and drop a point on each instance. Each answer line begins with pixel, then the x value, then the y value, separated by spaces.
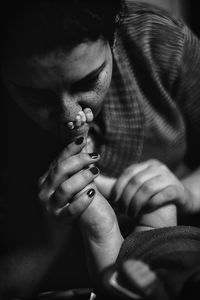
pixel 152 39
pixel 151 27
pixel 145 12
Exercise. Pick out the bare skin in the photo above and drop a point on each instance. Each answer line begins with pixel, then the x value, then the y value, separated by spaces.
pixel 62 92
pixel 139 277
pixel 71 185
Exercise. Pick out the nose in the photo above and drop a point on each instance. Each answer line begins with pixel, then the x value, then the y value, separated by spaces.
pixel 69 107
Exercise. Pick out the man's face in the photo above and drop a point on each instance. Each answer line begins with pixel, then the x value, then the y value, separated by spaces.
pixel 53 88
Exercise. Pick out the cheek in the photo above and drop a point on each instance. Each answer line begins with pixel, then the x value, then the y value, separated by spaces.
pixel 101 91
pixel 42 116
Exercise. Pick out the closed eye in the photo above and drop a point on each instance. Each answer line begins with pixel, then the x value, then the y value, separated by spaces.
pixel 84 86
pixel 88 82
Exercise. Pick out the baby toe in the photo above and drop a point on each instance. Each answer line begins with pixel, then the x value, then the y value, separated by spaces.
pixel 70 125
pixel 89 114
pixel 83 117
pixel 78 121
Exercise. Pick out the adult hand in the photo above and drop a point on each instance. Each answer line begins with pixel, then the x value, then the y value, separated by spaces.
pixel 145 187
pixel 68 175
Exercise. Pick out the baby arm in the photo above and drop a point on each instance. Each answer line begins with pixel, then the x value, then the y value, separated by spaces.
pixel 101 234
pixel 148 191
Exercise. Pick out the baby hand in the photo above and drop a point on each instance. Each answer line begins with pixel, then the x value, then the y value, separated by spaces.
pixel 146 186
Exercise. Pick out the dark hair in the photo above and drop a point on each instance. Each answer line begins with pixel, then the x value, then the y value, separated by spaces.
pixel 42 25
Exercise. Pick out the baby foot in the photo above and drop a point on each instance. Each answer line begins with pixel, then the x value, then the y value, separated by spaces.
pixel 82 117
pixel 140 276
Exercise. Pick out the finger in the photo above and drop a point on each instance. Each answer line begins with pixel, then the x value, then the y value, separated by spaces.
pixel 64 169
pixel 73 148
pixel 133 186
pixel 73 210
pixel 88 114
pixel 68 189
pixel 146 191
pixel 166 195
pixel 123 180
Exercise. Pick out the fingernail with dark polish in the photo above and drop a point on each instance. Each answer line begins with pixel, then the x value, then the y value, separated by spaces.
pixel 79 140
pixel 93 155
pixel 91 193
pixel 94 170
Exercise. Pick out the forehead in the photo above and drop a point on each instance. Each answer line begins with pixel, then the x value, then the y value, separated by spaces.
pixel 58 65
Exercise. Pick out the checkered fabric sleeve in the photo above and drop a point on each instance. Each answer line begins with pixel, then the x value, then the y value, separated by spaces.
pixel 152 109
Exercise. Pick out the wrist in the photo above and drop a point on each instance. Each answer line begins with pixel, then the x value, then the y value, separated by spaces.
pixel 101 254
pixel 164 216
pixel 186 203
pixel 191 203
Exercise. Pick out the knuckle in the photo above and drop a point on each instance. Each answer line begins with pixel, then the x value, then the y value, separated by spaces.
pixel 131 184
pixel 61 166
pixel 86 176
pixel 65 189
pixel 80 157
pixel 58 168
pixel 156 200
pixel 171 192
pixel 164 168
pixel 138 180
pixel 128 171
pixel 55 213
pixel 70 211
pixel 147 188
pixel 42 197
pixel 154 162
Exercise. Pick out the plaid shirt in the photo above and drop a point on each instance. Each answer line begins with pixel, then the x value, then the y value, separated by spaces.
pixel 152 109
